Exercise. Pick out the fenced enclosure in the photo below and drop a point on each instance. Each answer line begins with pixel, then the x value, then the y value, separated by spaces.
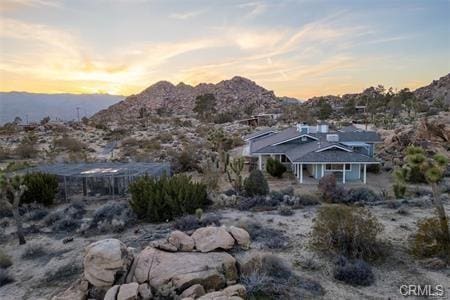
pixel 98 179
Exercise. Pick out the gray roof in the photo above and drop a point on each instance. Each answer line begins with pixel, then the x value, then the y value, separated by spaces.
pixel 350 128
pixel 258 133
pixel 338 156
pixel 306 152
pixel 291 133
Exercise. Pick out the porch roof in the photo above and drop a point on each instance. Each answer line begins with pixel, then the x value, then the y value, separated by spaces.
pixel 335 156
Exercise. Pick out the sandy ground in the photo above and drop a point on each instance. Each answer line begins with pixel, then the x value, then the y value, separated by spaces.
pixel 37 279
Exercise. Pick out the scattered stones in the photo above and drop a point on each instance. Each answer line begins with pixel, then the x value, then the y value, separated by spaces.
pixel 211 238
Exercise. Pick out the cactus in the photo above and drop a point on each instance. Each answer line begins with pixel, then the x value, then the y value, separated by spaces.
pixel 235 176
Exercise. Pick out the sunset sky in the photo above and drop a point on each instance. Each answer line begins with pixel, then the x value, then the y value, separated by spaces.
pixel 297 48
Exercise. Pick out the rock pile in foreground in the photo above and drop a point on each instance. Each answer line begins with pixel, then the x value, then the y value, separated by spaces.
pixel 182 266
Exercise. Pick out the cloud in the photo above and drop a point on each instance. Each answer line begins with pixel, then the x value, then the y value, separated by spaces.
pixel 187 15
pixel 11 5
pixel 254 9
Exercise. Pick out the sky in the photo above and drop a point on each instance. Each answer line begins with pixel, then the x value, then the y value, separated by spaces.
pixel 297 48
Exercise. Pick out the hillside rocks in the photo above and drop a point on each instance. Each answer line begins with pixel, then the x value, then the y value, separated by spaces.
pixel 104 260
pixel 431 133
pixel 438 89
pixel 193 267
pixel 237 94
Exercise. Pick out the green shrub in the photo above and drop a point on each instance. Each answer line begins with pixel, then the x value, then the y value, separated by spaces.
pixel 162 199
pixel 42 188
pixel 399 190
pixel 346 230
pixel 429 240
pixel 275 168
pixel 5 261
pixel 256 184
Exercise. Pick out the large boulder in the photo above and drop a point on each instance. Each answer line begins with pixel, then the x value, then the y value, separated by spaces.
pixel 241 236
pixel 104 260
pixel 194 291
pixel 181 241
pixel 211 238
pixel 234 292
pixel 212 270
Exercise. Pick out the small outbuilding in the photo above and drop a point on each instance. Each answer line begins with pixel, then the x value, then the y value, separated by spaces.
pixel 102 178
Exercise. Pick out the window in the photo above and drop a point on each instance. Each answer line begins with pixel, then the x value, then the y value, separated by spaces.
pixel 304 138
pixel 337 167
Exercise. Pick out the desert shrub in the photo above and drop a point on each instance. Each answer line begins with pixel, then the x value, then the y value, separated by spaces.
pixel 69 143
pixel 285 211
pixel 429 239
pixel 356 272
pixel 112 217
pixel 37 214
pixel 270 277
pixel 186 161
pixel 328 189
pixel 5 278
pixel 349 231
pixel 67 225
pixel 256 184
pixel 399 190
pixel 33 251
pixel 165 198
pixel 67 219
pixel 191 222
pixel 117 134
pixel 307 200
pixel 258 203
pixel 275 168
pixel 130 142
pixel 361 194
pixel 165 137
pixel 5 260
pixel 64 273
pixel 225 117
pixel 41 188
pixel 276 195
pixel 268 237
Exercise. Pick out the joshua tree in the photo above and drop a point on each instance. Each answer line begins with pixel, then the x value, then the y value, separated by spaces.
pixel 11 190
pixel 432 169
pixel 236 166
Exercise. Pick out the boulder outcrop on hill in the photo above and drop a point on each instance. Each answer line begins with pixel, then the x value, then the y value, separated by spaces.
pixel 235 94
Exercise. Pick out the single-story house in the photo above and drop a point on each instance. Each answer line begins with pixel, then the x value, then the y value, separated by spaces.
pixel 314 151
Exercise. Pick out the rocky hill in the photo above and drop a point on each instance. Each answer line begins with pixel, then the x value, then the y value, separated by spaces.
pixel 438 89
pixel 236 94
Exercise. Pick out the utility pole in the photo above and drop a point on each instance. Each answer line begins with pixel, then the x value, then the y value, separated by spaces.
pixel 78 114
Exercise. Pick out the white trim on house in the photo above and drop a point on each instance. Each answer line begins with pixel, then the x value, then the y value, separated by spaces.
pixel 294 138
pixel 333 146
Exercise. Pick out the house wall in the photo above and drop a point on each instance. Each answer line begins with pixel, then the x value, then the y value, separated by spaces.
pixel 350 175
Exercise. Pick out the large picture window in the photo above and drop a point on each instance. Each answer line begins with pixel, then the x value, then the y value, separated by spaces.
pixel 337 167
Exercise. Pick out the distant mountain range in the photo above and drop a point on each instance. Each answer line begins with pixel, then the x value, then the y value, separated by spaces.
pixel 35 106
pixel 236 95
